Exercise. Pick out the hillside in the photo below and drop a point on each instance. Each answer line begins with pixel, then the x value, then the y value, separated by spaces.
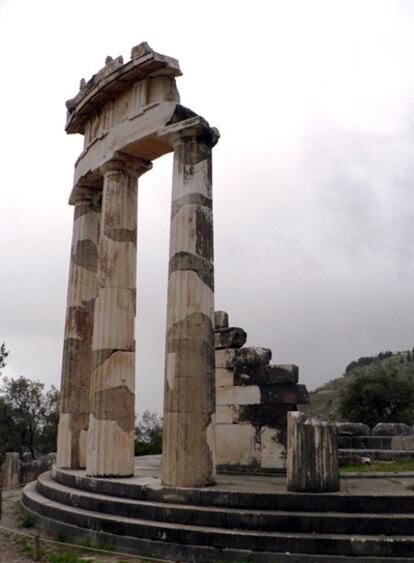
pixel 324 401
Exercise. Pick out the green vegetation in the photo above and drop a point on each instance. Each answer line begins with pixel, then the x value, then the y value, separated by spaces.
pixel 66 557
pixel 380 466
pixel 148 434
pixel 326 400
pixel 28 417
pixel 26 521
pixel 366 360
pixel 378 397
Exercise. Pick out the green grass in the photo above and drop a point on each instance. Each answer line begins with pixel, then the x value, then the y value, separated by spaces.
pixel 380 466
pixel 67 557
pixel 27 548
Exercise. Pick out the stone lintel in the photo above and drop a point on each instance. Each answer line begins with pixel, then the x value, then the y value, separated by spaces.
pixel 113 79
pixel 154 144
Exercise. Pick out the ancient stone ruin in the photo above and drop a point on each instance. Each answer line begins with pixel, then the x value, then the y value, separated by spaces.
pixel 312 458
pixel 130 115
pixel 252 402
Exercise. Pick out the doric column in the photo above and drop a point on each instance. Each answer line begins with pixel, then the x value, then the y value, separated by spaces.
pixel 189 395
pixel 110 450
pixel 76 368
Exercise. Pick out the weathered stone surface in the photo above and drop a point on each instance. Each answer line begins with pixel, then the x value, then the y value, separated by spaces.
pixel 273 416
pixel 252 356
pixel 402 442
pixel 224 414
pixel 110 440
pixel 247 395
pixel 289 394
pixel 237 444
pixel 221 320
pixel 76 364
pixel 283 373
pixel 10 470
pixel 225 358
pixel 202 267
pixel 266 375
pixel 15 472
pixel 189 399
pixel 365 442
pixel 233 337
pixel 273 450
pixel 391 429
pixel 312 457
pixel 224 378
pixel 352 429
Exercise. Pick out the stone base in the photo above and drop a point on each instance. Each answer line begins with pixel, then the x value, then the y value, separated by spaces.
pixel 232 521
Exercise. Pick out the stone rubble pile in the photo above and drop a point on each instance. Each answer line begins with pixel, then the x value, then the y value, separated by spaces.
pixel 253 398
pixel 386 441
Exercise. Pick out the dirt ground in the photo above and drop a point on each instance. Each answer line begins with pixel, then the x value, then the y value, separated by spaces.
pixel 17 541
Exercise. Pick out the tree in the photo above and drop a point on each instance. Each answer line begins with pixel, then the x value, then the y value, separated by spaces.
pixel 30 414
pixel 148 434
pixel 378 397
pixel 9 436
pixel 47 437
pixel 3 355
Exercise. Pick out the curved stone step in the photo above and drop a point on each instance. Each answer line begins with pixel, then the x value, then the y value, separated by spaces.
pixel 189 553
pixel 265 520
pixel 219 538
pixel 150 489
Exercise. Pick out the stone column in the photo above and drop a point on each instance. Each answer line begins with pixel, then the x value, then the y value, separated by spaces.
pixel 189 393
pixel 110 450
pixel 76 366
pixel 312 455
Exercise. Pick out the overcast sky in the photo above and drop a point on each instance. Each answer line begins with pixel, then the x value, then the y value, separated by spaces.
pixel 313 175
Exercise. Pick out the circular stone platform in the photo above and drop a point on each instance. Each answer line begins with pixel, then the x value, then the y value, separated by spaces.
pixel 241 518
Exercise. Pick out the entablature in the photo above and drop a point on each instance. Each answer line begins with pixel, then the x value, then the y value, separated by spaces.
pixel 114 79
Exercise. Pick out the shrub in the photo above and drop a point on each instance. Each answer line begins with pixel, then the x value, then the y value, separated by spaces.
pixel 378 397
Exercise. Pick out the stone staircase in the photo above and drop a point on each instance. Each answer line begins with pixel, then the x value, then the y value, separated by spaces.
pixel 226 522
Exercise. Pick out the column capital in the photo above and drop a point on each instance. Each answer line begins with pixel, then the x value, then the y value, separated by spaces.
pixel 206 135
pixel 122 162
pixel 88 194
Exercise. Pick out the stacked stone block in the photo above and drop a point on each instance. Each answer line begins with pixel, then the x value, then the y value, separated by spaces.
pixel 110 441
pixel 76 365
pixel 188 435
pixel 253 398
